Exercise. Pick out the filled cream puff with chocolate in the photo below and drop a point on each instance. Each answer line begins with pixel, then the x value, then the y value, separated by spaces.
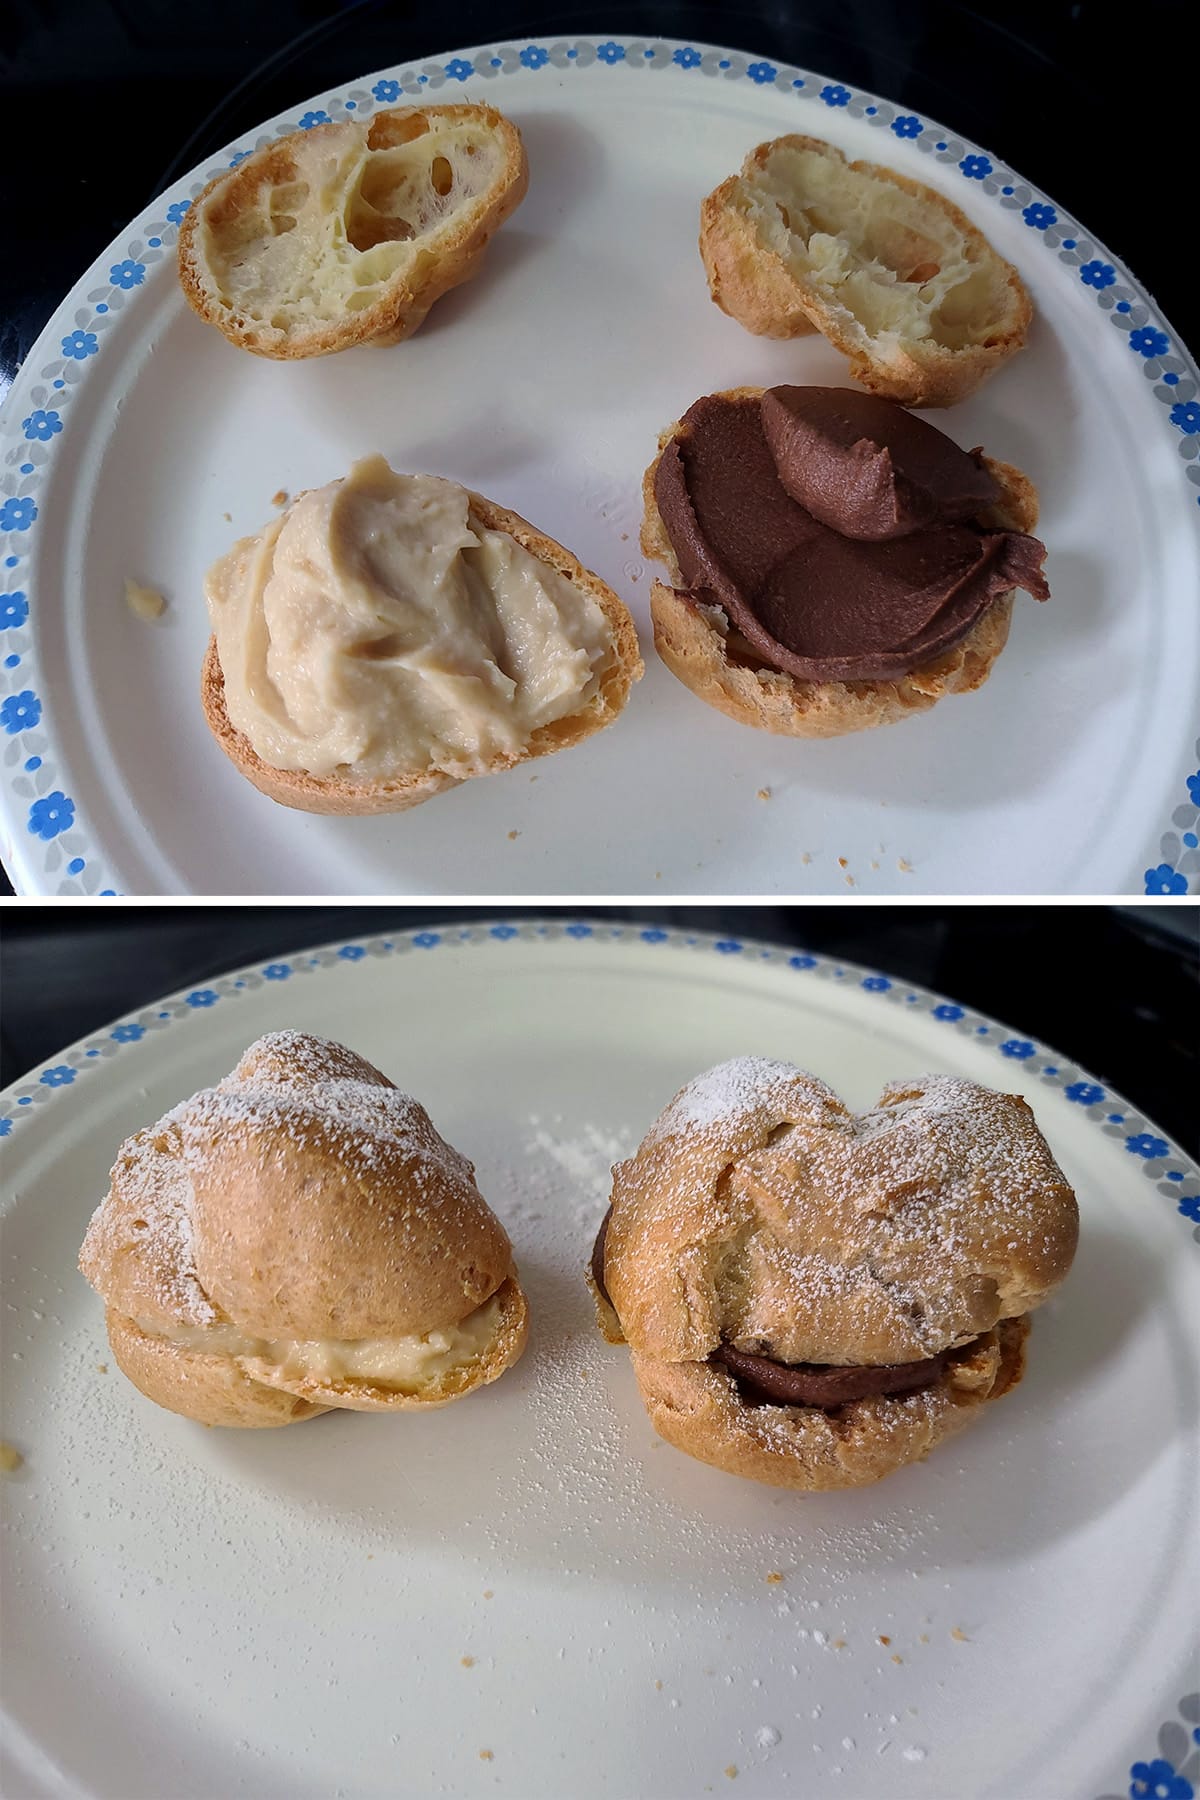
pixel 813 1298
pixel 296 1238
pixel 836 562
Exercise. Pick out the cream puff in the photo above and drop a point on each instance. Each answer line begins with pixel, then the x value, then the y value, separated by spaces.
pixel 813 1298
pixel 297 1238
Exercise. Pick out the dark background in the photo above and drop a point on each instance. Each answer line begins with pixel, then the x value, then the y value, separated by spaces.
pixel 1113 988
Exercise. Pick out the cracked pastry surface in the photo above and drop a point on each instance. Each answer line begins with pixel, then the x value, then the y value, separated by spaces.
pixel 761 1222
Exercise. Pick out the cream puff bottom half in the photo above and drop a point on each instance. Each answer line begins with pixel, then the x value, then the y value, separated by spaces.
pixel 698 1408
pixel 221 1375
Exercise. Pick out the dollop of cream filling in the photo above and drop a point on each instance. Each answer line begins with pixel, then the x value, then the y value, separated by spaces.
pixel 406 1364
pixel 378 628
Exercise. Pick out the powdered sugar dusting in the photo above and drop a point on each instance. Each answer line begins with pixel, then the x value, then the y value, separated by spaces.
pixel 912 1227
pixel 150 1204
pixel 712 1101
pixel 289 1086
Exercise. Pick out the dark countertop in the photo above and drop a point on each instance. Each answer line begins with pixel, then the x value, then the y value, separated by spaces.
pixel 1113 988
pixel 1076 95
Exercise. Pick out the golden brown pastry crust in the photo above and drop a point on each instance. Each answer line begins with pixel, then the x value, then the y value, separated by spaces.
pixel 754 283
pixel 760 1212
pixel 346 795
pixel 692 639
pixel 409 295
pixel 304 1198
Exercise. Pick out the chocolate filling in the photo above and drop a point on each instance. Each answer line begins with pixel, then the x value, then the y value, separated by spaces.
pixel 869 469
pixel 598 1256
pixel 823 1384
pixel 763 1382
pixel 887 578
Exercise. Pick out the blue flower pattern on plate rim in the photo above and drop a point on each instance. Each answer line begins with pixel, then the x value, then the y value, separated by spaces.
pixel 1127 307
pixel 1158 1778
pixel 20 712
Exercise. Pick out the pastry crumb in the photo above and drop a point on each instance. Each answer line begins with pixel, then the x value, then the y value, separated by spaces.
pixel 904 866
pixel 764 793
pixel 513 835
pixel 897 1659
pixel 658 1685
pixel 839 1643
pixel 488 1594
pixel 874 865
pixel 624 537
pixel 583 1374
pixel 843 862
pixel 468 1662
pixel 279 497
pixel 486 1755
pixel 10 1458
pixel 143 602
pixel 731 1771
pixel 885 1640
pixel 806 858
pixel 850 881
pixel 924 1638
pixel 228 518
pixel 960 1637
pixel 774 1577
pixel 102 1368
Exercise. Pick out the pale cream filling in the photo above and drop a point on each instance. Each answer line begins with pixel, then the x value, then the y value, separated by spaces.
pixel 404 1363
pixel 378 629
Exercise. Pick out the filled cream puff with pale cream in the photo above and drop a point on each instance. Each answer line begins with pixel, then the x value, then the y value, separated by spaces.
pixel 299 1237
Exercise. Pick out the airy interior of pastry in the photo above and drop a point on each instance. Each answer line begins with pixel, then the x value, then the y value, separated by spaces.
pixel 837 561
pixel 300 1238
pixel 814 1298
pixel 348 232
pixel 892 272
pixel 390 635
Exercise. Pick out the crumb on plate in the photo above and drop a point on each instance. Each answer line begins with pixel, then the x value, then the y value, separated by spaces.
pixel 10 1458
pixel 143 602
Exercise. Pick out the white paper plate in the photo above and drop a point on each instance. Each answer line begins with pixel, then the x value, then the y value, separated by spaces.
pixel 204 1613
pixel 139 443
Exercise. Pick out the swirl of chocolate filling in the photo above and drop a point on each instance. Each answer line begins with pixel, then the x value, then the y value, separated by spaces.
pixel 840 535
pixel 764 1382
